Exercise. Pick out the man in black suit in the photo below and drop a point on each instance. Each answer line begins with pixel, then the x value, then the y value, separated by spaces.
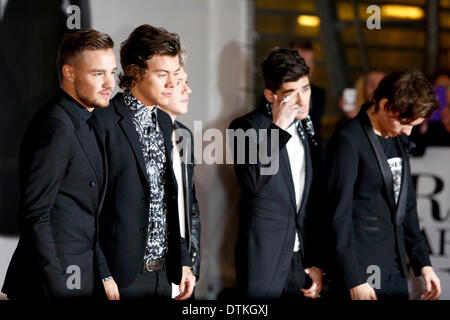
pixel 139 224
pixel 273 256
pixel 183 166
pixel 370 195
pixel 63 179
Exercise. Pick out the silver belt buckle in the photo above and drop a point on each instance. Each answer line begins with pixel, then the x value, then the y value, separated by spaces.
pixel 152 264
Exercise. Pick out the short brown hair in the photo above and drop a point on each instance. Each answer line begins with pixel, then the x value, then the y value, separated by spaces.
pixel 410 95
pixel 144 42
pixel 75 42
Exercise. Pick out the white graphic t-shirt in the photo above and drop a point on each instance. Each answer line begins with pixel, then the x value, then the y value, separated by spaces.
pixel 395 163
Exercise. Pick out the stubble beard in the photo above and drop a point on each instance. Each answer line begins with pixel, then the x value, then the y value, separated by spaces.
pixel 87 101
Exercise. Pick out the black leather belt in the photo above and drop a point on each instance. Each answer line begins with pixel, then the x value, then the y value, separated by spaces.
pixel 153 264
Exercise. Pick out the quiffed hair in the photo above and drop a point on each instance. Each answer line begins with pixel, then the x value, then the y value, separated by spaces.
pixel 76 42
pixel 282 65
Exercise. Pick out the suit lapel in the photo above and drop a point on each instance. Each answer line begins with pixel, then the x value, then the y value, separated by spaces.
pixel 129 130
pixel 105 172
pixel 308 173
pixel 166 126
pixel 86 142
pixel 285 165
pixel 287 173
pixel 381 158
pixel 401 208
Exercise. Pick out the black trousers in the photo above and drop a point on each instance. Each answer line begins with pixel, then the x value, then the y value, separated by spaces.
pixel 152 284
pixel 395 287
pixel 296 279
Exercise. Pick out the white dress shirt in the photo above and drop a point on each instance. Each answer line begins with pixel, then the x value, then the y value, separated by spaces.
pixel 296 153
pixel 179 179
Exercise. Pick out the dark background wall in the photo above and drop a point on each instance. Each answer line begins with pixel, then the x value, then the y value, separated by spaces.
pixel 30 33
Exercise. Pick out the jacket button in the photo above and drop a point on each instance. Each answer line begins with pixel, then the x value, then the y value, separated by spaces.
pixel 194 254
pixel 145 200
pixel 92 184
pixel 142 230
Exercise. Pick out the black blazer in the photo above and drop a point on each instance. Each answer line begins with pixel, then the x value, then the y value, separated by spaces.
pixel 124 218
pixel 61 195
pixel 369 228
pixel 268 217
pixel 191 208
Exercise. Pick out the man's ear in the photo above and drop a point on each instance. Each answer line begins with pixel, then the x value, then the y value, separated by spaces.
pixel 382 103
pixel 68 73
pixel 269 95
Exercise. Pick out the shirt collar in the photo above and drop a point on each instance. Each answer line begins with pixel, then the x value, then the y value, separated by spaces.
pixel 85 113
pixel 294 124
pixel 135 105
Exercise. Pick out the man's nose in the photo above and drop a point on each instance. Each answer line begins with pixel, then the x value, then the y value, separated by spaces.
pixel 170 81
pixel 110 82
pixel 407 130
pixel 299 98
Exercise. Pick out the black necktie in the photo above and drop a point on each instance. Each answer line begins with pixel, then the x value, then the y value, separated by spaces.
pixel 94 150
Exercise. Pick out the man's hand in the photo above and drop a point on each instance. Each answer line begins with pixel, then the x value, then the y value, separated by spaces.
pixel 284 111
pixel 432 284
pixel 316 276
pixel 111 290
pixel 363 292
pixel 187 284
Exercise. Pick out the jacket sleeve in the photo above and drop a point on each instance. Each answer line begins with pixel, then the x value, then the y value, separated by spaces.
pixel 102 264
pixel 250 174
pixel 44 161
pixel 342 165
pixel 185 256
pixel 317 227
pixel 416 247
pixel 195 235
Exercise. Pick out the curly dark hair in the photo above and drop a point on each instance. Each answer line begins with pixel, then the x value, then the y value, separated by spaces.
pixel 410 95
pixel 75 42
pixel 282 65
pixel 144 42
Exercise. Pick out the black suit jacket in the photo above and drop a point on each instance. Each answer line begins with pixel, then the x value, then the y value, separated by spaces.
pixel 369 228
pixel 61 195
pixel 268 215
pixel 124 218
pixel 191 208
